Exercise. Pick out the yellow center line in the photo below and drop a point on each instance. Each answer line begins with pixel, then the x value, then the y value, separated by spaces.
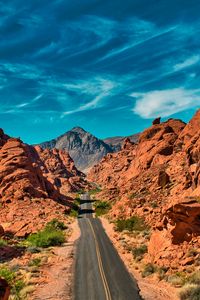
pixel 105 283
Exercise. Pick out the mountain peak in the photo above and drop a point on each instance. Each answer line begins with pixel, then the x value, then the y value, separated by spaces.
pixel 78 129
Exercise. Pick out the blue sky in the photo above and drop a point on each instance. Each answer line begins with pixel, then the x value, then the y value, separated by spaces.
pixel 109 66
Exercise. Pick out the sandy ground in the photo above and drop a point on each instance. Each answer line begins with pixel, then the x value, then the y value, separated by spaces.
pixel 56 276
pixel 150 287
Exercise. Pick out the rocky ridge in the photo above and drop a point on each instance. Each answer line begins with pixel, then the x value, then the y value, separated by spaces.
pixel 34 185
pixel 158 179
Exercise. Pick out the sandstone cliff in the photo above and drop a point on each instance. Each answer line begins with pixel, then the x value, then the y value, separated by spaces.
pixel 159 180
pixel 34 185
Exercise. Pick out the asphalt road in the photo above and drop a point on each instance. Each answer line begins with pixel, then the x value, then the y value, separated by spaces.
pixel 100 273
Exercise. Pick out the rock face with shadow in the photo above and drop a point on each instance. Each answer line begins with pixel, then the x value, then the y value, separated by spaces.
pixel 158 179
pixel 59 168
pixel 31 185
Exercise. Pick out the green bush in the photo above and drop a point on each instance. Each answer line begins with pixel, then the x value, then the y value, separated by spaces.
pixel 55 224
pixel 73 213
pixel 77 201
pixel 194 278
pixel 35 262
pixel 190 292
pixel 94 191
pixel 15 284
pixel 18 286
pixel 177 279
pixel 139 252
pixel 46 238
pixel 148 270
pixel 134 223
pixel 2 243
pixel 101 207
pixel 8 275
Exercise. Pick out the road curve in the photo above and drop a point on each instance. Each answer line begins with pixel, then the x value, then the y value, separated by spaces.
pixel 100 273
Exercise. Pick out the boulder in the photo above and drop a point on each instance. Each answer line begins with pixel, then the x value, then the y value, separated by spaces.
pixel 156 121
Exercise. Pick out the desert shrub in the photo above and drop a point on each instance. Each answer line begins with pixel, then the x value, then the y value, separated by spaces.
pixel 190 292
pixel 7 274
pixel 35 262
pixel 2 243
pixel 154 204
pixel 32 249
pixel 148 270
pixel 55 224
pixel 94 191
pixel 101 207
pixel 15 284
pixel 46 238
pixel 132 196
pixel 134 223
pixel 177 279
pixel 73 213
pixel 77 201
pixel 18 286
pixel 162 273
pixel 194 278
pixel 139 252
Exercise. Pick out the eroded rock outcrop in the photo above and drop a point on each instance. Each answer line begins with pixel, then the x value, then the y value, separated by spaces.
pixel 59 168
pixel 159 180
pixel 31 185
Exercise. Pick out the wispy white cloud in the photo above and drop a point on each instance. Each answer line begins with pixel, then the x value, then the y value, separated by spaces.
pixel 22 105
pixel 165 102
pixel 98 89
pixel 26 71
pixel 47 49
pixel 92 32
pixel 137 32
pixel 188 62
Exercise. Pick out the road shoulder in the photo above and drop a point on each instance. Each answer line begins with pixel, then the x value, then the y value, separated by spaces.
pixel 150 288
pixel 57 275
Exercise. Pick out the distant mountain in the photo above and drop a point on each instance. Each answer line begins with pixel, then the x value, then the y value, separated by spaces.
pixel 85 149
pixel 116 142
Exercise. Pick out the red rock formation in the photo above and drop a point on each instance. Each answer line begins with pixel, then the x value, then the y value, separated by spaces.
pixel 19 177
pixel 159 180
pixel 30 185
pixel 59 168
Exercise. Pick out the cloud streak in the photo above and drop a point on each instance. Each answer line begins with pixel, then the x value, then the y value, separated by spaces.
pixel 188 62
pixel 165 102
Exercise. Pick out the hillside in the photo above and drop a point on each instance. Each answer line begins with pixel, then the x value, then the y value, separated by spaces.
pixel 34 185
pixel 158 180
